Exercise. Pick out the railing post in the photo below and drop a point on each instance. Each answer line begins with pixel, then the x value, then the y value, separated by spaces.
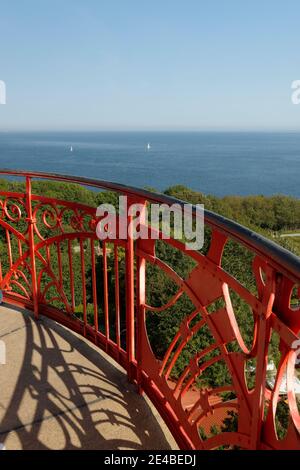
pixel 140 300
pixel 31 222
pixel 133 329
pixel 263 339
pixel 130 333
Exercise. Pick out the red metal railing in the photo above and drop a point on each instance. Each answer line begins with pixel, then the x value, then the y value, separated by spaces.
pixel 51 248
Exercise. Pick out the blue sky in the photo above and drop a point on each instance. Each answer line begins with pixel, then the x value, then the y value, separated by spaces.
pixel 159 64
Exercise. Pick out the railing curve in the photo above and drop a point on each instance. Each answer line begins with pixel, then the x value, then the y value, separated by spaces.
pixel 53 263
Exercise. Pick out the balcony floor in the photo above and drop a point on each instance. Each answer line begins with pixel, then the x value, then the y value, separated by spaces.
pixel 58 391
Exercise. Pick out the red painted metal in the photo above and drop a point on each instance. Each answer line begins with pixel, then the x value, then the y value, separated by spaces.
pixel 37 272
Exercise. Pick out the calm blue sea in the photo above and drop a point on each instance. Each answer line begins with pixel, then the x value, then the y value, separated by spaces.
pixel 218 163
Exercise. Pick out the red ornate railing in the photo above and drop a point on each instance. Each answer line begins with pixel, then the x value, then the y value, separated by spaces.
pixel 51 248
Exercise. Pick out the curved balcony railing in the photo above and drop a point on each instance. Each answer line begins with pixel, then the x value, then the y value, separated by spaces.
pixel 51 248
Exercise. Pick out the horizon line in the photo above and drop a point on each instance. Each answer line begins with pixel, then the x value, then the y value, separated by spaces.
pixel 179 129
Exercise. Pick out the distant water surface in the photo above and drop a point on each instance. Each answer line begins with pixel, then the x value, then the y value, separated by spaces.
pixel 218 163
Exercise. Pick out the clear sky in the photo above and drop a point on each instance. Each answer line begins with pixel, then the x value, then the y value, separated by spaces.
pixel 149 64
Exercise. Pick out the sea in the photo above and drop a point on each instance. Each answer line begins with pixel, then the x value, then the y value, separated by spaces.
pixel 219 163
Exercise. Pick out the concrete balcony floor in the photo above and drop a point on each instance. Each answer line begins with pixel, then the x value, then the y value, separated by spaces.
pixel 58 391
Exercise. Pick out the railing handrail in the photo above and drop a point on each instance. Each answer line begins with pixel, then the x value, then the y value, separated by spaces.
pixel 281 258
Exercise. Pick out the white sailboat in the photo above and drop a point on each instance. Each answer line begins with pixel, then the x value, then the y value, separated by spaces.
pixel 71 149
pixel 148 146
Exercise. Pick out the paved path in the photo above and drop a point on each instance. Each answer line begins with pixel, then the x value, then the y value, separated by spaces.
pixel 290 235
pixel 57 391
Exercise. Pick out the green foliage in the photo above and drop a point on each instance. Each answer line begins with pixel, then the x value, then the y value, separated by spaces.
pixel 269 213
pixel 230 423
pixel 282 418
